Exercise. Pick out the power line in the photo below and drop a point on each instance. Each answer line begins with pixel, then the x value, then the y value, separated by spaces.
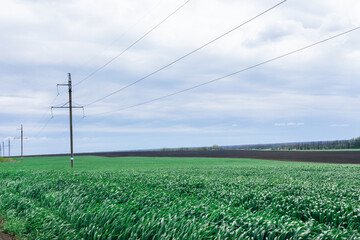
pixel 138 40
pixel 120 36
pixel 139 20
pixel 43 116
pixel 47 113
pixel 232 74
pixel 186 55
pixel 44 126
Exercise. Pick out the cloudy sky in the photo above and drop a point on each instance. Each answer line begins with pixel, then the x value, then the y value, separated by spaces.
pixel 307 96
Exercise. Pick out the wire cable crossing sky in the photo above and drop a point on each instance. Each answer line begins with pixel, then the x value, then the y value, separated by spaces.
pixel 308 96
pixel 186 55
pixel 133 44
pixel 108 62
pixel 234 73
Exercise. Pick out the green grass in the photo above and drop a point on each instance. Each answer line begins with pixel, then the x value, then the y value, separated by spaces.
pixel 121 163
pixel 179 198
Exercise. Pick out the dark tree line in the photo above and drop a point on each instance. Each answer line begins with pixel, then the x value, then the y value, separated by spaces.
pixel 319 145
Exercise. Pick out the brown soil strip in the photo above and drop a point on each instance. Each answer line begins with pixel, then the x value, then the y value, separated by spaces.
pixel 4 236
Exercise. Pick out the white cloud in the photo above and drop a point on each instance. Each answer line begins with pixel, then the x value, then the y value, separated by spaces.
pixel 43 40
pixel 289 124
pixel 339 125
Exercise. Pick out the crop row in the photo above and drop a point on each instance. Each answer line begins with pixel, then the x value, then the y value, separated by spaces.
pixel 241 203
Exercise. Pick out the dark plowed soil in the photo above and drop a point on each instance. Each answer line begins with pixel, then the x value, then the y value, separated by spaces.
pixel 345 157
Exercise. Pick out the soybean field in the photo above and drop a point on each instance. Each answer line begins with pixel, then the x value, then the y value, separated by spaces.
pixel 179 198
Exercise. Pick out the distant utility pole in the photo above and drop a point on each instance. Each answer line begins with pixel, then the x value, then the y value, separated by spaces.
pixel 3 148
pixel 22 141
pixel 70 107
pixel 9 147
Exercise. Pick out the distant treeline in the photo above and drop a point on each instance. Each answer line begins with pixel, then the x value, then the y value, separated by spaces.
pixel 319 145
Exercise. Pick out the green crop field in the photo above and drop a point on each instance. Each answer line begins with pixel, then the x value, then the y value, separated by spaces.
pixel 179 198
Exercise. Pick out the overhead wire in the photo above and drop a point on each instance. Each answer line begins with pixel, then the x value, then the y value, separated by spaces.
pixel 110 45
pixel 44 126
pixel 186 55
pixel 133 44
pixel 43 116
pixel 74 85
pixel 116 40
pixel 142 37
pixel 233 73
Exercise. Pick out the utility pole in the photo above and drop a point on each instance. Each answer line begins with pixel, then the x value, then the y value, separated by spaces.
pixel 22 142
pixel 9 147
pixel 70 106
pixel 71 125
pixel 3 148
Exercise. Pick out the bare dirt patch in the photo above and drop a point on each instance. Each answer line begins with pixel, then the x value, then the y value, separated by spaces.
pixel 2 159
pixel 5 236
pixel 7 160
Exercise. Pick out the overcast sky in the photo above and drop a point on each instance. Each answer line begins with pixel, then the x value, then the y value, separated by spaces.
pixel 308 96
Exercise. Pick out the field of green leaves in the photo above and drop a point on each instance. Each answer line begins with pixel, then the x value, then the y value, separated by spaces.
pixel 164 198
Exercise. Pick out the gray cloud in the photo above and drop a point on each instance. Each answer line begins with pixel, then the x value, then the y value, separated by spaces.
pixel 43 40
